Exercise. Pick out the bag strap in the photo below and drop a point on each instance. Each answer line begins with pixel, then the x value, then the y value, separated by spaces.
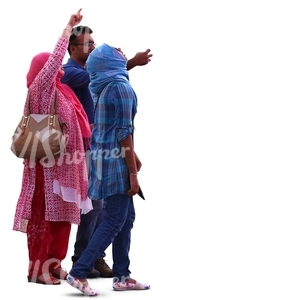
pixel 53 108
pixel 28 106
pixel 54 105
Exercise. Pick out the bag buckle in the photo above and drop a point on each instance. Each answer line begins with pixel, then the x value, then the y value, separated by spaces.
pixel 51 120
pixel 25 120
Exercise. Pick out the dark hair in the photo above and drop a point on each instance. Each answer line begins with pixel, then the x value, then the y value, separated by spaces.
pixel 77 31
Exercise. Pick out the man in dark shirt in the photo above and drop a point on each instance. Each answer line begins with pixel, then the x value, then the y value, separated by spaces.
pixel 81 44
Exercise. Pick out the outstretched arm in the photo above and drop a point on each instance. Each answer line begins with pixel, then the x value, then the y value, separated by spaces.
pixel 75 19
pixel 54 62
pixel 140 59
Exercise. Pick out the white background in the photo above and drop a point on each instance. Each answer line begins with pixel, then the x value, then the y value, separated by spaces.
pixel 217 132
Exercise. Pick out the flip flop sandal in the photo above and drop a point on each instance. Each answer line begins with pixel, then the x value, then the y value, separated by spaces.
pixel 40 279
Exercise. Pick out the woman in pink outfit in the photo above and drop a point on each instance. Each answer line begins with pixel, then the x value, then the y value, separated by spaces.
pixel 54 191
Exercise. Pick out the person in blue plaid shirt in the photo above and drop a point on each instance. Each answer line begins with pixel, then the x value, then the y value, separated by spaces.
pixel 81 44
pixel 113 169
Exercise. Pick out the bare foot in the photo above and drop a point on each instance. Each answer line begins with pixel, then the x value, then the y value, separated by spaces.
pixel 59 273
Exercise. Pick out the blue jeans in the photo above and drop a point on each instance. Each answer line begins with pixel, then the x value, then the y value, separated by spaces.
pixel 115 228
pixel 85 230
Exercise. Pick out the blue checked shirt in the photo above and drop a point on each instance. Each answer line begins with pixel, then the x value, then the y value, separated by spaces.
pixel 113 122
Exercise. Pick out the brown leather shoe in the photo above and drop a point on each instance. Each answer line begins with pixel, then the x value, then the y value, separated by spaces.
pixel 94 273
pixel 101 266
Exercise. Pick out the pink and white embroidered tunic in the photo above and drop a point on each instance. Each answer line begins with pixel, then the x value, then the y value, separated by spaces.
pixel 66 179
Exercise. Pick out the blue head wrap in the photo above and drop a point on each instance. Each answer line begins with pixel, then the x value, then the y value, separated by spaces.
pixel 105 64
